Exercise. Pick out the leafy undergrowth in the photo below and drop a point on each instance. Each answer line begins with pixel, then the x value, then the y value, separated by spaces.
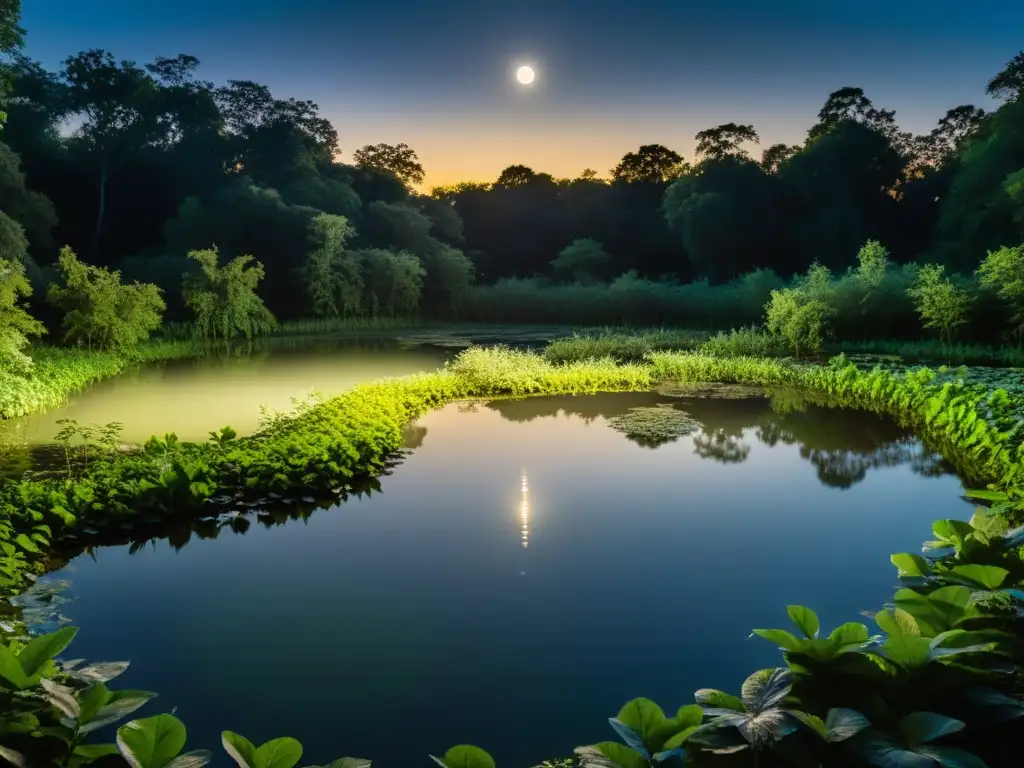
pixel 939 684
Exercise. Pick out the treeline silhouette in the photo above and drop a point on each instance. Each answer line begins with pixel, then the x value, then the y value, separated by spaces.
pixel 134 166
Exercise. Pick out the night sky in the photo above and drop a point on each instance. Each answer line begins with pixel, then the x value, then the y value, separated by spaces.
pixel 611 74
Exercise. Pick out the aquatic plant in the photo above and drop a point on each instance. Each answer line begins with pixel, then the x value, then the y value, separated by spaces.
pixel 654 426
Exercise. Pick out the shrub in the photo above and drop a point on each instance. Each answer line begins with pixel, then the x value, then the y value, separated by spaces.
pixel 99 309
pixel 1003 272
pixel 15 323
pixel 224 299
pixel 582 261
pixel 942 305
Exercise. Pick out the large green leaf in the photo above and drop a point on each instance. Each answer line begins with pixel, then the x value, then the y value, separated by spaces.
pixel 239 748
pixel 896 621
pixel 642 715
pixel 709 698
pixel 843 724
pixel 922 727
pixel 780 637
pixel 151 742
pixel 805 619
pixel 11 669
pixel 468 756
pixel 980 576
pixel 907 651
pixel 593 757
pixel 45 648
pixel 284 752
pixel 910 566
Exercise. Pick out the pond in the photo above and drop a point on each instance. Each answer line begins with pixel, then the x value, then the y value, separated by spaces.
pixel 192 397
pixel 525 571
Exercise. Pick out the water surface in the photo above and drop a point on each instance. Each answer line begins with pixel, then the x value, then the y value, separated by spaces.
pixel 522 574
pixel 193 397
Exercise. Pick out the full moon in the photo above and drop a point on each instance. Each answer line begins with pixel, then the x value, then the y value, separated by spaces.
pixel 524 75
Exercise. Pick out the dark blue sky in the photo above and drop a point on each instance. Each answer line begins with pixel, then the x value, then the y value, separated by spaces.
pixel 611 74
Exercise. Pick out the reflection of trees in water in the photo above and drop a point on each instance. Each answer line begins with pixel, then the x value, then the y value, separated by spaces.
pixel 720 446
pixel 842 444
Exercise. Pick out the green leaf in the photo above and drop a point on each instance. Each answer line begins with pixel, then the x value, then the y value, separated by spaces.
pixel 10 669
pixel 45 648
pixel 910 566
pixel 95 751
pixel 805 619
pixel 26 543
pixel 980 576
pixel 922 727
pixel 679 739
pixel 151 742
pixel 284 752
pixel 239 748
pixel 468 756
pixel 907 651
pixel 896 621
pixel 710 698
pixel 620 754
pixel 194 759
pixel 850 633
pixel 843 724
pixel 642 715
pixel 780 637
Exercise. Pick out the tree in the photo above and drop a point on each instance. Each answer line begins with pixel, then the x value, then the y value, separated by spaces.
pixel 722 140
pixel 800 314
pixel 394 282
pixel 1003 271
pixel 652 164
pixel 942 305
pixel 119 109
pixel 224 299
pixel 515 176
pixel 332 276
pixel 15 323
pixel 1009 83
pixel 774 156
pixel 99 309
pixel 582 261
pixel 11 37
pixel 398 159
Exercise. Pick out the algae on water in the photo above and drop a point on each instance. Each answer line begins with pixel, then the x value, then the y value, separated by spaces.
pixel 651 426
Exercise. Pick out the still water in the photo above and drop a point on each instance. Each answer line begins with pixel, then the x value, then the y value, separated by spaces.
pixel 192 397
pixel 523 573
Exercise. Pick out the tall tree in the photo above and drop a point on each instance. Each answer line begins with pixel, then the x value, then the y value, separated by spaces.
pixel 1009 83
pixel 652 163
pixel 715 143
pixel 774 156
pixel 119 109
pixel 398 159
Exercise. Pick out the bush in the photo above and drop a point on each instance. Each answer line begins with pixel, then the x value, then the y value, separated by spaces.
pixel 224 299
pixel 1003 272
pixel 99 309
pixel 15 323
pixel 942 305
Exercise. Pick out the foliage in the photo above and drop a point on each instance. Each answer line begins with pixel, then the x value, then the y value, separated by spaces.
pixel 224 299
pixel 943 306
pixel 15 322
pixel 100 309
pixel 582 261
pixel 333 277
pixel 1003 272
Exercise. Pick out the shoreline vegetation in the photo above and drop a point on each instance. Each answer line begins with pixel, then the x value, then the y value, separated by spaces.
pixel 931 669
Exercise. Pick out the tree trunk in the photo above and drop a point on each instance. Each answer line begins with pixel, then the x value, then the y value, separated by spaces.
pixel 101 210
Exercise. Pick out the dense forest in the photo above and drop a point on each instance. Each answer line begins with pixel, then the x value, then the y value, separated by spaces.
pixel 134 166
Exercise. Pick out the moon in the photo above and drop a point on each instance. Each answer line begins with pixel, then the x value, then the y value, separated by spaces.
pixel 525 75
